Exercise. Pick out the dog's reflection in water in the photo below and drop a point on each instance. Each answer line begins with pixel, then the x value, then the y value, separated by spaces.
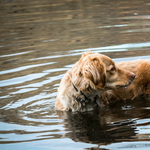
pixel 103 126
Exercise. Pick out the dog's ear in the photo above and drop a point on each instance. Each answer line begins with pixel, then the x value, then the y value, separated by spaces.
pixel 85 54
pixel 94 70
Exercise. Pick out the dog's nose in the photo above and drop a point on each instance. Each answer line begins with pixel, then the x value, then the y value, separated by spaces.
pixel 132 76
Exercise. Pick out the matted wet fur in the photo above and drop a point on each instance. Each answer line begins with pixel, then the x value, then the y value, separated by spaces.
pixel 91 75
pixel 140 85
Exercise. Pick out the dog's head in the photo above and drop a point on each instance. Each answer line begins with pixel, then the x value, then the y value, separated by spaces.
pixel 100 71
pixel 116 77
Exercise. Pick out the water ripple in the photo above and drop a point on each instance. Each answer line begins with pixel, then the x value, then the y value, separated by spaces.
pixel 24 68
pixel 19 80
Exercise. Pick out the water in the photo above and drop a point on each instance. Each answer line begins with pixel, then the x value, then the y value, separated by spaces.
pixel 39 42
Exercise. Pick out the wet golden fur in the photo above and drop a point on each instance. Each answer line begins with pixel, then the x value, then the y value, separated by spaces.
pixel 92 74
pixel 140 85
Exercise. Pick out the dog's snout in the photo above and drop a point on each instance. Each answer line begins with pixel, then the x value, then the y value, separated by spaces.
pixel 132 76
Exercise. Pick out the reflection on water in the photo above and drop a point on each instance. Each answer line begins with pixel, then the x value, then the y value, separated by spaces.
pixel 39 42
pixel 121 122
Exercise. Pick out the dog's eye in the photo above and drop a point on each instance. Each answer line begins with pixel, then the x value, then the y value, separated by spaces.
pixel 113 69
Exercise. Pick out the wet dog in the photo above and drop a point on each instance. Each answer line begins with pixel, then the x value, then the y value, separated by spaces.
pixel 140 85
pixel 87 79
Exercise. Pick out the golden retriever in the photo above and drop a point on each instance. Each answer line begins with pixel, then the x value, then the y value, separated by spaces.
pixel 87 79
pixel 140 85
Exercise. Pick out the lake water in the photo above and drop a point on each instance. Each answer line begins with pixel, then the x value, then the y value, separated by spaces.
pixel 39 42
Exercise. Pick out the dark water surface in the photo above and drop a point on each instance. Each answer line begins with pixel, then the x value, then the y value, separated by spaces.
pixel 39 42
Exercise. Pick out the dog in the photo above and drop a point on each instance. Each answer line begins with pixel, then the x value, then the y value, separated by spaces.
pixel 139 87
pixel 82 85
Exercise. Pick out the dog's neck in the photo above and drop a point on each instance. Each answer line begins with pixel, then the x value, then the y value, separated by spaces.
pixel 85 99
pixel 78 90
